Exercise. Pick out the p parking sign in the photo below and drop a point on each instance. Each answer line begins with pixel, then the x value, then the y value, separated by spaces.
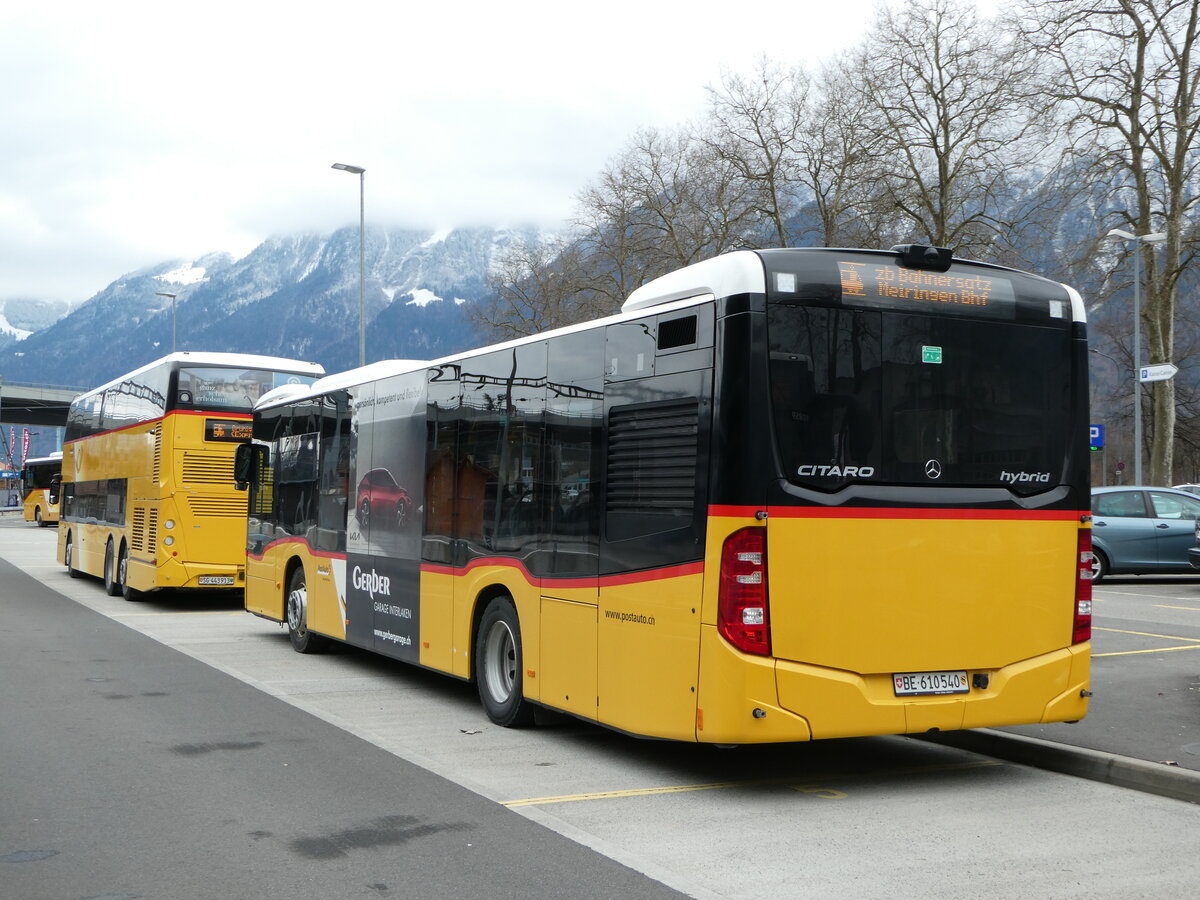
pixel 1096 437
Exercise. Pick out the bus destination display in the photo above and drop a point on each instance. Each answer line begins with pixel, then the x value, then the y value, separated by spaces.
pixel 958 292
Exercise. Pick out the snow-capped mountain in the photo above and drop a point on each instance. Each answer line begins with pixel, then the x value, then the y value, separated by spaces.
pixel 294 296
pixel 21 318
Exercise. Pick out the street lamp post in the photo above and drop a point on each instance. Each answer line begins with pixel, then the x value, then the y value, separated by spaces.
pixel 172 296
pixel 1138 240
pixel 362 255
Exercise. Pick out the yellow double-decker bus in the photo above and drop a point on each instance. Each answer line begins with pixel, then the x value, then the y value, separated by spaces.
pixel 147 501
pixel 784 495
pixel 41 484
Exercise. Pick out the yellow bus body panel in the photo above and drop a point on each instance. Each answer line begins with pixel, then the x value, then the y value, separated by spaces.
pixel 191 488
pixel 648 652
pixel 37 501
pixel 883 595
pixel 863 610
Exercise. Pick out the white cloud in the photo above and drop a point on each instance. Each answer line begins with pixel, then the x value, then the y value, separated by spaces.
pixel 145 131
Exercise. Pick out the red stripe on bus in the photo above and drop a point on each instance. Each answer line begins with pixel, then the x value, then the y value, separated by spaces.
pixel 323 554
pixel 585 581
pixel 886 512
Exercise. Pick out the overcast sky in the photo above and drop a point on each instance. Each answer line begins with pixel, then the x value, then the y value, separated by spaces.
pixel 135 132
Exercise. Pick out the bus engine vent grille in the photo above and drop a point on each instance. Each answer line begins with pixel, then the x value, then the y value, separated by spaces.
pixel 652 459
pixel 137 531
pixel 156 470
pixel 222 507
pixel 677 333
pixel 144 530
pixel 207 468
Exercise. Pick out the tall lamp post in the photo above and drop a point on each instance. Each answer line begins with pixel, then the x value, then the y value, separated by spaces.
pixel 172 296
pixel 362 256
pixel 1138 240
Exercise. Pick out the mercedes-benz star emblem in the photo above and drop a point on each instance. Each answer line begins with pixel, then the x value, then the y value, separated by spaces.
pixel 933 469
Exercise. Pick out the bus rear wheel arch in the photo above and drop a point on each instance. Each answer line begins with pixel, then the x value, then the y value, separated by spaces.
pixel 499 665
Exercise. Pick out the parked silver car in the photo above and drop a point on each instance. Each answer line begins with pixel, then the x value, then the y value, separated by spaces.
pixel 1139 530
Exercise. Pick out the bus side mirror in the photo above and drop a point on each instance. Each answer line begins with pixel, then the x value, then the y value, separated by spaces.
pixel 248 460
pixel 55 489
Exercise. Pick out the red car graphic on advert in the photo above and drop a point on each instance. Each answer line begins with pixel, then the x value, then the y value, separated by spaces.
pixel 382 502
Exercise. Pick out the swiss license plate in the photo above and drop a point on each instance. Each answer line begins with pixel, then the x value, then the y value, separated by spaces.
pixel 216 580
pixel 910 684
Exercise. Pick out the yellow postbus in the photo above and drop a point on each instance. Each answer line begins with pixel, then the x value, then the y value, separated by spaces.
pixel 783 495
pixel 147 501
pixel 41 483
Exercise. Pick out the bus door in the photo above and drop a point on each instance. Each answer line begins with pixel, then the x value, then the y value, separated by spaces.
pixel 657 409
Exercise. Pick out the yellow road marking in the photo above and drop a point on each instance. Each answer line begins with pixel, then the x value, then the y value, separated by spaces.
pixel 1154 650
pixel 806 785
pixel 182 612
pixel 1167 637
pixel 1164 606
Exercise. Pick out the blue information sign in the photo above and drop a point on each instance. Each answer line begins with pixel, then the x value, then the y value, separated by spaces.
pixel 1096 436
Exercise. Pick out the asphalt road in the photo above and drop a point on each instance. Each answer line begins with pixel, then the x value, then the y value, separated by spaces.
pixel 1145 673
pixel 216 762
pixel 128 770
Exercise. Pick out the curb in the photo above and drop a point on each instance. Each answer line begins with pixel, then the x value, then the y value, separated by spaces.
pixel 1095 765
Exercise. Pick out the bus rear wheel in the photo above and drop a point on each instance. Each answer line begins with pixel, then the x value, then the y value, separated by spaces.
pixel 112 583
pixel 296 614
pixel 123 575
pixel 498 665
pixel 69 556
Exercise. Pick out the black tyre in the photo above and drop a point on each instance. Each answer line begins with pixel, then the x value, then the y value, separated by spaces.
pixel 296 613
pixel 123 575
pixel 69 556
pixel 112 583
pixel 499 665
pixel 37 517
pixel 1100 567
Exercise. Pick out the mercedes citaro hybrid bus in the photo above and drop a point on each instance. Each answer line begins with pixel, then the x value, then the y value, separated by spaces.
pixel 40 483
pixel 147 494
pixel 783 495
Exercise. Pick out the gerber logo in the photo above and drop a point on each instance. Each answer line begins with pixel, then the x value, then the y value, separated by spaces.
pixel 1025 477
pixel 372 583
pixel 836 471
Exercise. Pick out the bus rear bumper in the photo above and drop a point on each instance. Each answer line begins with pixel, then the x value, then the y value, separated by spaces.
pixel 745 699
pixel 205 576
pixel 1053 687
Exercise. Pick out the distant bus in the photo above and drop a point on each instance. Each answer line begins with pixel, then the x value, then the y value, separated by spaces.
pixel 147 499
pixel 784 495
pixel 40 485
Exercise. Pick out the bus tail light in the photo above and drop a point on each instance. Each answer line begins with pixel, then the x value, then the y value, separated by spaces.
pixel 743 617
pixel 1083 589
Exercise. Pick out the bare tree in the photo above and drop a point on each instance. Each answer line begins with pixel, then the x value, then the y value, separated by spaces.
pixel 1129 69
pixel 954 115
pixel 757 125
pixel 538 285
pixel 667 201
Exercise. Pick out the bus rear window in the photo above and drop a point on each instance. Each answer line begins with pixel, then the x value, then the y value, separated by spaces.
pixel 894 398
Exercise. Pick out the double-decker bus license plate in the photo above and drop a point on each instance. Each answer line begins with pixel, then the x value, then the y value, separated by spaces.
pixel 215 580
pixel 911 684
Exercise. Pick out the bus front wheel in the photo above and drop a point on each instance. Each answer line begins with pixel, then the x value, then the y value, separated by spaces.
pixel 296 611
pixel 112 583
pixel 498 665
